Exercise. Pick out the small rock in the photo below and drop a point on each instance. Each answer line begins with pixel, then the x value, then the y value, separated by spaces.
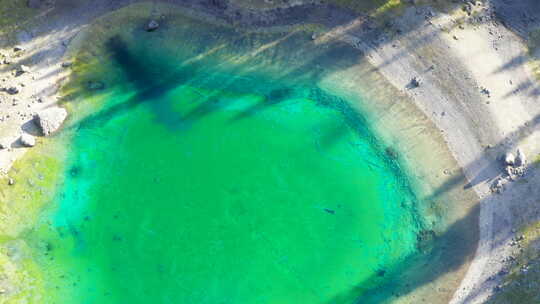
pixel 11 181
pixel 485 92
pixel 18 48
pixel 4 144
pixel 414 83
pixel 23 69
pixel 50 119
pixel 152 26
pixel 12 90
pixel 27 140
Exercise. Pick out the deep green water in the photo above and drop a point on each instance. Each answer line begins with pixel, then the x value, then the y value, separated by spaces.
pixel 206 186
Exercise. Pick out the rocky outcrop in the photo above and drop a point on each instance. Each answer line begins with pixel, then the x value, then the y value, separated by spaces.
pixel 514 167
pixel 50 119
pixel 27 140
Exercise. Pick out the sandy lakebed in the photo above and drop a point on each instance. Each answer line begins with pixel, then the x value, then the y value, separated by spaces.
pixel 475 99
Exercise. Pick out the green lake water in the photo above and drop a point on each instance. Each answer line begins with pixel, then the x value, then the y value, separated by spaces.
pixel 201 185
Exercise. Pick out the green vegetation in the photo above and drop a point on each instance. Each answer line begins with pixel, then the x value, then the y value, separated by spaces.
pixel 534 51
pixel 523 281
pixel 14 15
pixel 36 176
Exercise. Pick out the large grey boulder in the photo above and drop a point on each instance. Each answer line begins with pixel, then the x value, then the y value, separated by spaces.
pixel 50 119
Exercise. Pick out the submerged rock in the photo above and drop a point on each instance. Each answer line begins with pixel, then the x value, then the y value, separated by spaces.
pixel 50 119
pixel 95 85
pixel 152 26
pixel 27 140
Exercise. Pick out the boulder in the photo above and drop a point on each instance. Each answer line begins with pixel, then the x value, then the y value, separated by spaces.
pixel 27 140
pixel 50 119
pixel 152 26
pixel 520 158
pixel 509 159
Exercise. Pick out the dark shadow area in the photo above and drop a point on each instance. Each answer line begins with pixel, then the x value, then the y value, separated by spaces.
pixel 275 97
pixel 488 173
pixel 436 256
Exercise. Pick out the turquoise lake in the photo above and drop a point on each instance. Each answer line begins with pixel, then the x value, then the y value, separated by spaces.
pixel 197 183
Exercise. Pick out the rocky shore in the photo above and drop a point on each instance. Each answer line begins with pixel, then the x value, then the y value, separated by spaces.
pixel 463 64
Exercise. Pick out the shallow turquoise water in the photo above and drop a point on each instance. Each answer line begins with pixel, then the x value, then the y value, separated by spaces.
pixel 207 186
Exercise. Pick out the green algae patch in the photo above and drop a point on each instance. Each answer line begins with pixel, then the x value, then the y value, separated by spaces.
pixel 36 177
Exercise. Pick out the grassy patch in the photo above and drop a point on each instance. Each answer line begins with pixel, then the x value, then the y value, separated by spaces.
pixel 36 177
pixel 534 52
pixel 14 15
pixel 522 284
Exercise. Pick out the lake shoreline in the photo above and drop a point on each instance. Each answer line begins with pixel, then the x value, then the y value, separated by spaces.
pixel 441 120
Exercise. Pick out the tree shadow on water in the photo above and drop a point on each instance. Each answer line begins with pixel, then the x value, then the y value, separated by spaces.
pixel 436 256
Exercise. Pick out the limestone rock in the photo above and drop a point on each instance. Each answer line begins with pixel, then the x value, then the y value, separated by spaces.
pixel 152 26
pixel 27 140
pixel 509 159
pixel 50 119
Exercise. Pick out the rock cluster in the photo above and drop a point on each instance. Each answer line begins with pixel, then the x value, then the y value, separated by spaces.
pixel 50 119
pixel 514 168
